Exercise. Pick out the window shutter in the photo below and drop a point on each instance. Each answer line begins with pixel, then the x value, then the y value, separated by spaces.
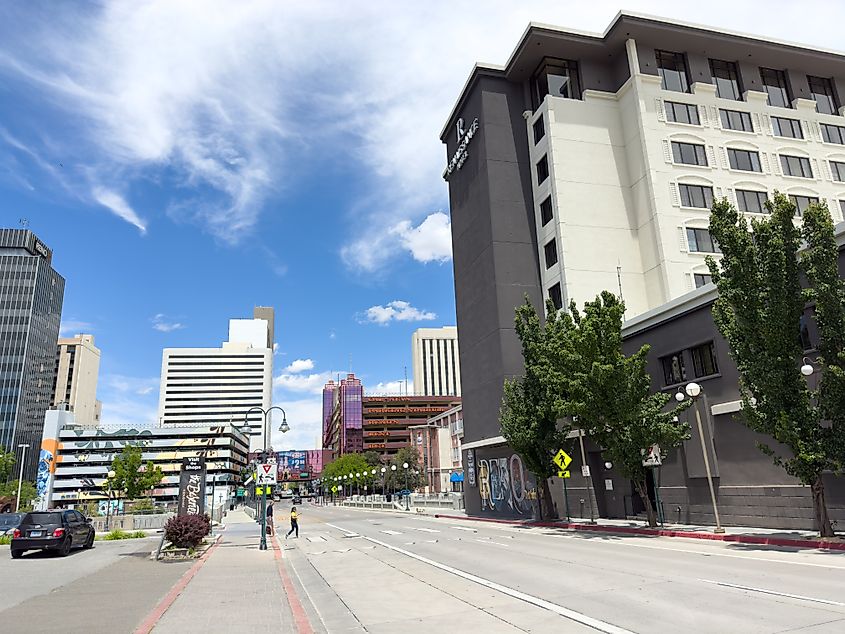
pixel 667 151
pixel 711 156
pixel 758 126
pixel 717 191
pixel 816 173
pixel 828 172
pixel 764 160
pixel 767 125
pixel 775 165
pixel 717 121
pixel 682 240
pixel 702 114
pixel 805 129
pixel 732 196
pixel 673 192
pixel 723 158
pixel 688 277
pixel 658 108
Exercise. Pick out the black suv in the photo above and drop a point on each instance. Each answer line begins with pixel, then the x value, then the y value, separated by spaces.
pixel 52 530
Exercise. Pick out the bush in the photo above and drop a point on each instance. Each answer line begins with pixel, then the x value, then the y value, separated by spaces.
pixel 5 540
pixel 122 534
pixel 143 505
pixel 187 531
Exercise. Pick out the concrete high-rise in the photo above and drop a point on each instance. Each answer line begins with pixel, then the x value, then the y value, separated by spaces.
pixel 220 385
pixel 31 296
pixel 75 382
pixel 435 361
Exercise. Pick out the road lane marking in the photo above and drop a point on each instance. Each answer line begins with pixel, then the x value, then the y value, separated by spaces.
pixel 487 541
pixel 464 528
pixel 425 530
pixel 316 539
pixel 779 594
pixel 390 532
pixel 596 624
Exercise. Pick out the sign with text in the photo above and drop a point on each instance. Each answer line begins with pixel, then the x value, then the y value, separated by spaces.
pixel 192 486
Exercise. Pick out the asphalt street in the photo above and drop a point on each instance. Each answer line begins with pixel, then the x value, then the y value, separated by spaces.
pixel 107 589
pixel 386 572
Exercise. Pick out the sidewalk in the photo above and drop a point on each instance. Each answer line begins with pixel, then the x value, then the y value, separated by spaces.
pixel 237 589
pixel 737 534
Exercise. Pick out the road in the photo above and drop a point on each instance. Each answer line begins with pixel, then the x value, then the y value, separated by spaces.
pixel 386 572
pixel 109 588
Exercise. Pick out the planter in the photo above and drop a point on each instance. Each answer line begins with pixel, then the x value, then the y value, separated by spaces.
pixel 171 553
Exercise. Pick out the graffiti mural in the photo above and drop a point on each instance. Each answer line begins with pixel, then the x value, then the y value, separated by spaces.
pixel 503 484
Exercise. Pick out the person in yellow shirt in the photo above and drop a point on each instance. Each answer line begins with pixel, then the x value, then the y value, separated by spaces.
pixel 294 523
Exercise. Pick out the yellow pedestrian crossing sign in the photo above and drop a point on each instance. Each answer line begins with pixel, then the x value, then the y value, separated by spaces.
pixel 563 474
pixel 562 460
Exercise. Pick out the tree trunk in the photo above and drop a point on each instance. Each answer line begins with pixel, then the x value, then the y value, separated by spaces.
pixel 820 508
pixel 546 494
pixel 642 489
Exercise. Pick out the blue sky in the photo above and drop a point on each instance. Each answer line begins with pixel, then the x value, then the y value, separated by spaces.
pixel 189 160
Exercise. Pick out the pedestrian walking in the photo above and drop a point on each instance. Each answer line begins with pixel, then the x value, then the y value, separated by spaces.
pixel 294 524
pixel 271 528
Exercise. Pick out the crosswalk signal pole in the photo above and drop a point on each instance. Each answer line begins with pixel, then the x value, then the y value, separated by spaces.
pixel 263 544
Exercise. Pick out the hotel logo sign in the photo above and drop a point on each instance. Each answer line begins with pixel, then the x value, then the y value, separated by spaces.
pixel 465 135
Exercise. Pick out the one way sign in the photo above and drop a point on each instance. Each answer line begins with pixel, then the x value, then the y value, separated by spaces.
pixel 266 474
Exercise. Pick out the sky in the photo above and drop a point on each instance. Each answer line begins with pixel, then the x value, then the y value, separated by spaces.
pixel 188 160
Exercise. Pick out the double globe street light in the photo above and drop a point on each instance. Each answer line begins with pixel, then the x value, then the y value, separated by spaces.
pixel 265 454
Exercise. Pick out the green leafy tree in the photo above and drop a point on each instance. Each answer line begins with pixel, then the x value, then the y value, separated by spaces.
pixel 131 475
pixel 7 464
pixel 347 465
pixel 397 478
pixel 533 403
pixel 610 394
pixel 372 458
pixel 28 492
pixel 759 312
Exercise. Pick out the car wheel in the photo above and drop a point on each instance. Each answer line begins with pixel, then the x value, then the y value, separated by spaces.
pixel 17 554
pixel 89 543
pixel 64 549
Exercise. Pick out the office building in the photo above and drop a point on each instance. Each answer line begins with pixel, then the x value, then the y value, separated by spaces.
pixel 31 295
pixel 75 382
pixel 589 162
pixel 342 423
pixel 438 442
pixel 388 421
pixel 221 385
pixel 435 361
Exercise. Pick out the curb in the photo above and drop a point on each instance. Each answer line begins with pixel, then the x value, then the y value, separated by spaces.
pixel 661 532
pixel 303 625
pixel 162 606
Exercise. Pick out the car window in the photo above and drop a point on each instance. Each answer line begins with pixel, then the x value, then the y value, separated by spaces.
pixel 79 516
pixel 10 519
pixel 69 516
pixel 42 518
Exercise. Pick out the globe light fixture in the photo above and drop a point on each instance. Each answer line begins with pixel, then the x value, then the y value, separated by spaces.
pixel 679 396
pixel 404 465
pixel 807 369
pixel 693 390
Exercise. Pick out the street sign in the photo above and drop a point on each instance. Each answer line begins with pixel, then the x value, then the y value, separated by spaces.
pixel 652 457
pixel 334 489
pixel 564 474
pixel 585 471
pixel 562 460
pixel 267 473
pixel 259 490
pixel 241 492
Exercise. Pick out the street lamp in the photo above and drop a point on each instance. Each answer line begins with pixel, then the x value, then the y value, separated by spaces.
pixel 110 475
pixel 20 479
pixel 407 493
pixel 393 470
pixel 693 390
pixel 265 453
pixel 383 476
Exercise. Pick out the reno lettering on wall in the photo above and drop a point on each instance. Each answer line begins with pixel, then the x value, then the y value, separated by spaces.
pixel 503 485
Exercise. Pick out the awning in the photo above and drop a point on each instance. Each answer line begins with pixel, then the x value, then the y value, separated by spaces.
pixel 456 477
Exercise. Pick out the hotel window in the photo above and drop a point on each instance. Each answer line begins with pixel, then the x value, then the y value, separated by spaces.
pixel 696 196
pixel 556 77
pixel 539 130
pixel 802 202
pixel 837 168
pixel 821 88
pixel 673 369
pixel 751 201
pixel 682 112
pixel 726 79
pixel 704 360
pixel 546 211
pixel 796 166
pixel 774 84
pixel 701 279
pixel 833 133
pixel 556 296
pixel 790 128
pixel 542 170
pixel 736 120
pixel 688 153
pixel 672 68
pixel 744 160
pixel 700 241
pixel 550 251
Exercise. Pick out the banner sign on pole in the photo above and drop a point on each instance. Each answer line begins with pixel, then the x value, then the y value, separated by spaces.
pixel 192 486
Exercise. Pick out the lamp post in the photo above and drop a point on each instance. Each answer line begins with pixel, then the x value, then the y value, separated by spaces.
pixel 20 479
pixel 693 390
pixel 265 454
pixel 407 493
pixel 358 483
pixel 109 475
pixel 393 472
pixel 383 482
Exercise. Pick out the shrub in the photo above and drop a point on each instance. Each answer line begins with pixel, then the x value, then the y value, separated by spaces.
pixel 5 540
pixel 115 534
pixel 187 531
pixel 143 505
pixel 138 534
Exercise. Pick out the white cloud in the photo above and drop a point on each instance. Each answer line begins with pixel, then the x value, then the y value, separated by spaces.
pixel 311 383
pixel 390 388
pixel 299 365
pixel 123 384
pixel 430 241
pixel 396 310
pixel 128 401
pixel 73 327
pixel 115 203
pixel 162 324
pixel 304 417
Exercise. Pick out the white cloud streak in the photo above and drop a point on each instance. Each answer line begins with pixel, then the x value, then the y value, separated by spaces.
pixel 299 365
pixel 396 310
pixel 162 324
pixel 115 203
pixel 73 327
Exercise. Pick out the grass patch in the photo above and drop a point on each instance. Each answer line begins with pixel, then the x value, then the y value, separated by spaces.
pixel 121 534
pixel 5 540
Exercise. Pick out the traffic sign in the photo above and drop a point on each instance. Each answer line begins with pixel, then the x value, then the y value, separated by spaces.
pixel 585 471
pixel 267 473
pixel 241 492
pixel 259 490
pixel 562 460
pixel 563 474
pixel 652 457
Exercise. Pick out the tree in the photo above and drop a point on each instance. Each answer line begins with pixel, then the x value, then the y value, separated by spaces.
pixel 533 403
pixel 759 312
pixel 398 478
pixel 131 475
pixel 28 492
pixel 372 458
pixel 7 464
pixel 610 394
pixel 347 465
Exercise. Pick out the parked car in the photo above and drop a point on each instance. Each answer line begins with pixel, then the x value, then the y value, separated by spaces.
pixel 52 530
pixel 9 522
pixel 404 492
